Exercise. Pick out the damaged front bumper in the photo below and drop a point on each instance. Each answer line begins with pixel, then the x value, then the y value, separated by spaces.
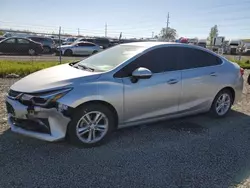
pixel 48 124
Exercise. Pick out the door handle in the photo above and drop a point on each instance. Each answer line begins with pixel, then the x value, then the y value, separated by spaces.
pixel 213 74
pixel 172 81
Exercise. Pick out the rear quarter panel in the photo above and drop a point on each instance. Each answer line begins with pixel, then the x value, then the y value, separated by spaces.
pixel 230 77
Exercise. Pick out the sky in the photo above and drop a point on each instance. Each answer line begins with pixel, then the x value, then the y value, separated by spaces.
pixel 134 18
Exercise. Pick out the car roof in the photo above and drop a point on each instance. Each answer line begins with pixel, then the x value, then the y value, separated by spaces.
pixel 17 38
pixel 86 42
pixel 148 45
pixel 152 44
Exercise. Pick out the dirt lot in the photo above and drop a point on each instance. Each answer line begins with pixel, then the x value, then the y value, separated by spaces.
pixel 190 152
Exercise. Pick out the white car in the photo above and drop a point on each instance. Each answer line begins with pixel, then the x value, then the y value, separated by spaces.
pixel 247 48
pixel 79 48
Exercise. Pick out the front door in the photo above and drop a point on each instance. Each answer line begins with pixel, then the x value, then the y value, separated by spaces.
pixel 153 97
pixel 157 96
pixel 8 46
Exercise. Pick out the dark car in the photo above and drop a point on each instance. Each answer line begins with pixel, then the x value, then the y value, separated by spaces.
pixel 20 46
pixel 1 38
pixel 48 43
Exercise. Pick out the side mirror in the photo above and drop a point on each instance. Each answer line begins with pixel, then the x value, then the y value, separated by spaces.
pixel 140 73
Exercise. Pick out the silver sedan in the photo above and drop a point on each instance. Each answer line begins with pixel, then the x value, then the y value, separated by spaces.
pixel 126 85
pixel 79 48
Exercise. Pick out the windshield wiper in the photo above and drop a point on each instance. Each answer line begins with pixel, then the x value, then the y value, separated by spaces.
pixel 86 68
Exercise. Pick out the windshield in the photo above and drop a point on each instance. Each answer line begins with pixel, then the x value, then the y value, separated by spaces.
pixel 112 57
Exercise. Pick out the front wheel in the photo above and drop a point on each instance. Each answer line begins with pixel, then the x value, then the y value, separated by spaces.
pixel 68 53
pixel 32 51
pixel 222 103
pixel 46 49
pixel 91 125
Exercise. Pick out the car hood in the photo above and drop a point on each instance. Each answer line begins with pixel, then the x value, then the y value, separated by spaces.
pixel 56 77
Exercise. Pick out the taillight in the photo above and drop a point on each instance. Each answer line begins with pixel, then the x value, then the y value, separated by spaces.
pixel 241 71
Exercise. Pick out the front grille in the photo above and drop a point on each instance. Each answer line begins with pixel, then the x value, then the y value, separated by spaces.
pixel 13 93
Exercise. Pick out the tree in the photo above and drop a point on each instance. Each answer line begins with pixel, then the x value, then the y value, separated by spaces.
pixel 168 34
pixel 1 33
pixel 213 33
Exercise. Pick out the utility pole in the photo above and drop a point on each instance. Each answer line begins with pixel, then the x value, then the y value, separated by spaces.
pixel 106 27
pixel 78 31
pixel 167 24
pixel 152 34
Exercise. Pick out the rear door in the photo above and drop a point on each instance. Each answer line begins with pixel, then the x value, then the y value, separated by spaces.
pixel 8 46
pixel 85 48
pixel 23 45
pixel 201 74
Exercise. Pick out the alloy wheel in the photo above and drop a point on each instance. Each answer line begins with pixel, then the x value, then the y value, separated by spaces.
pixel 223 104
pixel 92 127
pixel 31 52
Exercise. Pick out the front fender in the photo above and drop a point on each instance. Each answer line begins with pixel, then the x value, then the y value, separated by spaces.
pixel 107 91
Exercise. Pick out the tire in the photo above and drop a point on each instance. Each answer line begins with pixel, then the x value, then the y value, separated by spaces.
pixel 214 111
pixel 32 51
pixel 94 52
pixel 80 119
pixel 68 53
pixel 46 50
pixel 248 79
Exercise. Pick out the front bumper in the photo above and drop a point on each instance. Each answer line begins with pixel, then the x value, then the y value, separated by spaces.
pixel 20 119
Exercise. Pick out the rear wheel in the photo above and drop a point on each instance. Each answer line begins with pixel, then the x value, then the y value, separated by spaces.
pixel 91 125
pixel 46 49
pixel 68 53
pixel 222 103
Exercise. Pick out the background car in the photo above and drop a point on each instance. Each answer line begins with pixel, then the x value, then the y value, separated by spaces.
pixel 58 42
pixel 247 48
pixel 69 40
pixel 125 85
pixel 1 38
pixel 79 48
pixel 48 43
pixel 103 42
pixel 20 45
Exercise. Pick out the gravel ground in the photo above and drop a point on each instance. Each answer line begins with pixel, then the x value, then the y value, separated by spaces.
pixel 190 152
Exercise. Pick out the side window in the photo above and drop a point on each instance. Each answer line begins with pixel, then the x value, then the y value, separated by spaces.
pixel 85 44
pixel 194 58
pixel 22 41
pixel 157 60
pixel 81 44
pixel 88 44
pixel 10 41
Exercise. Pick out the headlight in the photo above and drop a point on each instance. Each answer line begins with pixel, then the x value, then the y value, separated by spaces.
pixel 44 99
